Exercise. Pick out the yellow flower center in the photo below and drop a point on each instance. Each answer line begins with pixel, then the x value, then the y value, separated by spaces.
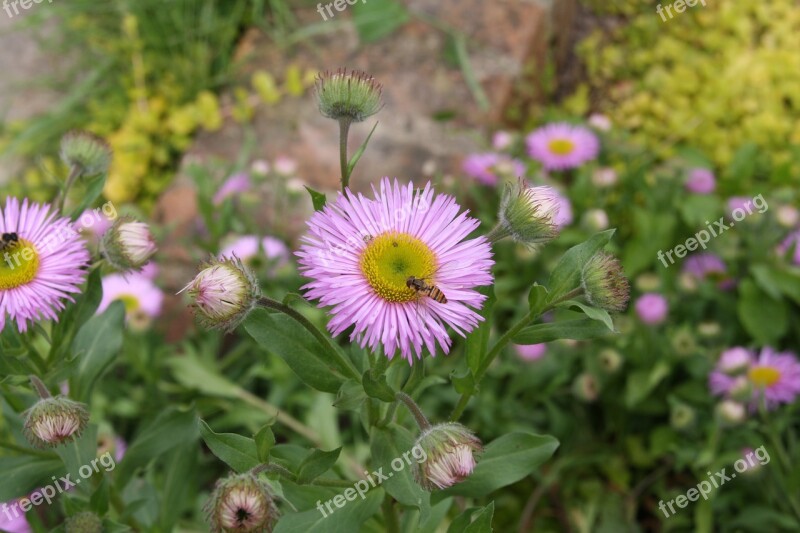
pixel 390 259
pixel 131 302
pixel 19 263
pixel 561 146
pixel 764 376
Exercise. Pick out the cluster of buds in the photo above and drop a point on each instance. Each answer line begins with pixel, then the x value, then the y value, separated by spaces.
pixel 450 450
pixel 348 96
pixel 55 421
pixel 86 154
pixel 241 503
pixel 223 293
pixel 527 214
pixel 128 244
pixel 604 283
pixel 85 522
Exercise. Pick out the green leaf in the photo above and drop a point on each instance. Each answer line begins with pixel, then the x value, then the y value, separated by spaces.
pixel 96 345
pixel 578 329
pixel 537 298
pixel 377 388
pixel 346 519
pixel 317 463
pixel 601 315
pixel 191 372
pixel 459 46
pixel 317 198
pixel 350 396
pixel 92 192
pixel 478 339
pixel 765 318
pixel 170 429
pixel 642 382
pixel 392 450
pixel 473 520
pixel 181 468
pixel 79 453
pixel 377 18
pixel 357 156
pixel 463 384
pixel 505 460
pixel 265 440
pixel 567 274
pixel 287 339
pixel 237 451
pixel 21 475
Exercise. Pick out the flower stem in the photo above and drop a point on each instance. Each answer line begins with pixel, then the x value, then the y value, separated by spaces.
pixel 40 387
pixel 344 130
pixel 419 416
pixel 74 173
pixel 390 516
pixel 323 339
pixel 498 233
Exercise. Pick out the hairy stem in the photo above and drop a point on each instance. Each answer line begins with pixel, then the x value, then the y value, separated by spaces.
pixel 419 416
pixel 40 387
pixel 344 130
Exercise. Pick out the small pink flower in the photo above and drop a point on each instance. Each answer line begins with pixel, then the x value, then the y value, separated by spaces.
pixel 701 181
pixel 234 185
pixel 531 352
pixel 489 168
pixel 142 299
pixel 285 166
pixel 599 122
pixel 791 241
pixel 12 518
pixel 773 376
pixel 562 146
pixel 502 140
pixel 652 308
pixel 737 202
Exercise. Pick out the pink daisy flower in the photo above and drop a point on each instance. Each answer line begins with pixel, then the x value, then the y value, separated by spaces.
pixel 489 167
pixel 43 262
pixel 775 376
pixel 502 140
pixel 375 262
pixel 234 185
pixel 737 202
pixel 700 181
pixel 252 250
pixel 561 146
pixel 142 299
pixel 652 308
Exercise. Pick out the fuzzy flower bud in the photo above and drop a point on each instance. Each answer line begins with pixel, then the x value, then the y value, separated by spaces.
pixel 681 416
pixel 241 504
pixel 55 421
pixel 450 449
pixel 735 361
pixel 88 154
pixel 223 293
pixel 85 522
pixel 528 214
pixel 605 284
pixel 350 96
pixel 610 360
pixel 730 412
pixel 586 387
pixel 128 244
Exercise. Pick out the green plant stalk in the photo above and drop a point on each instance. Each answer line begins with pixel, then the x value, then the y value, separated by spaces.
pixel 323 339
pixel 390 515
pixel 419 416
pixel 783 456
pixel 74 174
pixel 344 131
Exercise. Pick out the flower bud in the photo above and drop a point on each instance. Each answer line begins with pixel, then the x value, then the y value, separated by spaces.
pixel 450 450
pixel 85 522
pixel 604 177
pixel 741 389
pixel 241 503
pixel 54 421
pixel 709 329
pixel 223 293
pixel 610 360
pixel 595 220
pixel 528 214
pixel 787 216
pixel 128 244
pixel 735 360
pixel 605 284
pixel 681 416
pixel 350 96
pixel 730 412
pixel 86 152
pixel 586 387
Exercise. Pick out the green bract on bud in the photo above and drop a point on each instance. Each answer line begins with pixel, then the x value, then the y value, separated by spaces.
pixel 527 214
pixel 604 283
pixel 85 522
pixel 351 96
pixel 88 154
pixel 223 293
pixel 241 504
pixel 450 449
pixel 54 421
pixel 128 244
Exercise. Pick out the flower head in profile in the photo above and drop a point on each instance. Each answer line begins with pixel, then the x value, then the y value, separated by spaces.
pixel 43 261
pixel 241 503
pixel 450 451
pixel 54 421
pixel 489 168
pixel 223 293
pixel 562 146
pixel 773 376
pixel 236 184
pixel 351 96
pixel 128 244
pixel 604 283
pixel 529 215
pixel 397 268
pixel 142 298
pixel 88 154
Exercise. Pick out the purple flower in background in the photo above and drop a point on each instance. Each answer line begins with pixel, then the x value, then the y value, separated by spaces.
pixel 792 240
pixel 599 122
pixel 285 166
pixel 737 202
pixel 531 352
pixel 12 518
pixel 652 308
pixel 775 376
pixel 701 181
pixel 489 167
pixel 564 215
pixel 502 140
pixel 561 146
pixel 249 249
pixel 236 184
pixel 703 265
